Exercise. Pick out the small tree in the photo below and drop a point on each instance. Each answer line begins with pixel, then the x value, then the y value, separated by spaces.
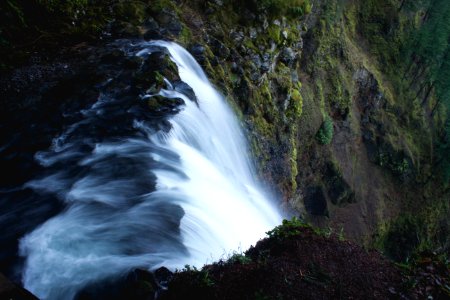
pixel 325 133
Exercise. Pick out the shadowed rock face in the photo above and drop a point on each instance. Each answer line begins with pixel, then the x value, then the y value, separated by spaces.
pixel 9 290
pixel 315 201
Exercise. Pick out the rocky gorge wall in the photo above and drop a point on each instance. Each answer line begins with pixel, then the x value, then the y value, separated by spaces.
pixel 290 77
pixel 332 134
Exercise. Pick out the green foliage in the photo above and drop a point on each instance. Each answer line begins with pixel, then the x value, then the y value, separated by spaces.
pixel 325 133
pixel 428 50
pixel 295 107
pixel 287 229
pixel 401 239
pixel 239 258
pixel 200 277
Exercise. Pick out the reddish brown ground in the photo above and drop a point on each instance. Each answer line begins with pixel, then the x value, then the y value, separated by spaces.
pixel 302 266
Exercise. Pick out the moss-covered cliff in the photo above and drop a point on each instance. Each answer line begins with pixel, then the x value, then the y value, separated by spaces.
pixel 342 127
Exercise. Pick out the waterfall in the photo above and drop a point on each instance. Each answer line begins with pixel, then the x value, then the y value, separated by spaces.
pixel 150 199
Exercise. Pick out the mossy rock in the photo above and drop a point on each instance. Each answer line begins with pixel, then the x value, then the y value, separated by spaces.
pixel 162 105
pixel 295 107
pixel 155 68
pixel 133 12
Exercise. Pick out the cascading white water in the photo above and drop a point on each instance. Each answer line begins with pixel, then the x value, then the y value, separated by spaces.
pixel 206 203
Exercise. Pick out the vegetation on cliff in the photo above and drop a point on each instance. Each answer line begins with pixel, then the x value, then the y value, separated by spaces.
pixel 345 102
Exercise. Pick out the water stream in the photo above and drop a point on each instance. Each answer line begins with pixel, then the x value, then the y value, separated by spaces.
pixel 149 199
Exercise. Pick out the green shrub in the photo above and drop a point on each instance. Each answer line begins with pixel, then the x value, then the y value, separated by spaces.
pixel 239 258
pixel 199 277
pixel 325 133
pixel 287 229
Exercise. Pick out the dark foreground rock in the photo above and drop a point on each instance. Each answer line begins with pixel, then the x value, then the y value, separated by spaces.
pixel 10 291
pixel 302 266
pixel 298 262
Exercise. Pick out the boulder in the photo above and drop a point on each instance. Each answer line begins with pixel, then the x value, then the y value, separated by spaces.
pixel 288 56
pixel 10 291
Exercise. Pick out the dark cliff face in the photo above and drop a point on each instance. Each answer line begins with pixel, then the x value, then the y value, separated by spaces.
pixel 333 130
pixel 333 133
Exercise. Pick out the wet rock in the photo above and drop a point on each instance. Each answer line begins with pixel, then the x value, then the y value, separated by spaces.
pixel 183 88
pixel 125 30
pixel 265 23
pixel 175 27
pixel 237 36
pixel 151 24
pixel 315 201
pixel 219 49
pixel 152 30
pixel 169 22
pixel 161 106
pixel 199 53
pixel 253 34
pixel 163 276
pixel 288 56
pixel 299 44
pixel 158 64
pixel 256 59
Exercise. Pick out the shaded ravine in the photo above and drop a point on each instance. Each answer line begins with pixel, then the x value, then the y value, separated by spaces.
pixel 144 198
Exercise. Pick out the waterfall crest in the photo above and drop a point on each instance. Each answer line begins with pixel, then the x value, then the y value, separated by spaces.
pixel 186 196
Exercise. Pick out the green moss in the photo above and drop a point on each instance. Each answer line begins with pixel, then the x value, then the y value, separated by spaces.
pixel 293 35
pixel 249 44
pixel 295 108
pixel 132 12
pixel 412 233
pixel 185 36
pixel 283 77
pixel 158 5
pixel 274 32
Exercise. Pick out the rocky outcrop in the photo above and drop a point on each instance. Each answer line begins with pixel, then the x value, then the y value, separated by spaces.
pixel 296 262
pixel 10 291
